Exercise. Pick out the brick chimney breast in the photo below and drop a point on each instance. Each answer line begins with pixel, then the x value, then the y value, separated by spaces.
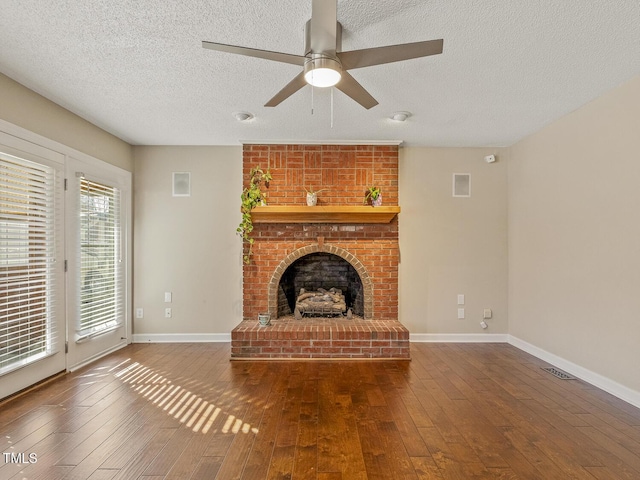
pixel 341 175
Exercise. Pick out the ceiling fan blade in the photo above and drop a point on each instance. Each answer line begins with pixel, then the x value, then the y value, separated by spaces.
pixel 254 52
pixel 392 53
pixel 324 21
pixel 292 87
pixel 349 86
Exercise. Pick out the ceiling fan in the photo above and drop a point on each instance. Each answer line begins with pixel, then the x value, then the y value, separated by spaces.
pixel 323 62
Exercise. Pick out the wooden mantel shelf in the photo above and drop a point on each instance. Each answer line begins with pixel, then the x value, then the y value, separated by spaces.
pixel 324 214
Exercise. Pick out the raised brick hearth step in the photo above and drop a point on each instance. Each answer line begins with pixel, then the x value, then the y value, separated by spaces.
pixel 320 338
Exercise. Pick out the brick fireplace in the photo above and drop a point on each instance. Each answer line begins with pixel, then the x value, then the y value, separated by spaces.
pixel 286 253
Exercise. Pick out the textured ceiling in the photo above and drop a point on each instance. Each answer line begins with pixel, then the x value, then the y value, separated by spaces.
pixel 137 69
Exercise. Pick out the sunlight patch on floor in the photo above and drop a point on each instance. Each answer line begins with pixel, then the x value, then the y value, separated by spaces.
pixel 185 406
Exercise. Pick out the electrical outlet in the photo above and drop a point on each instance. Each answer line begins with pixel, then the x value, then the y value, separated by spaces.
pixel 139 312
pixel 167 313
pixel 487 314
pixel 460 299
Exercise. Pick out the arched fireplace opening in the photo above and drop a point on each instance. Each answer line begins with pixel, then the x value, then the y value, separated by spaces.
pixel 321 272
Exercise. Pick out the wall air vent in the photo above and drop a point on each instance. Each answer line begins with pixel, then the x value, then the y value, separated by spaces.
pixel 461 185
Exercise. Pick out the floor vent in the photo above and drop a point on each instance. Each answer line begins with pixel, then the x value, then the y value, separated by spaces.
pixel 559 373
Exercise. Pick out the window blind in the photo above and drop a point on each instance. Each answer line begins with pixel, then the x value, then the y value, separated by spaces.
pixel 101 282
pixel 27 261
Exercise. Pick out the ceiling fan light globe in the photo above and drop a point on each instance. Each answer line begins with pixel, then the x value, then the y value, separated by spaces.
pixel 322 72
pixel 322 77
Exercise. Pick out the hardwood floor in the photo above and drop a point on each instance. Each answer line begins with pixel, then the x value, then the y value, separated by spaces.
pixel 456 411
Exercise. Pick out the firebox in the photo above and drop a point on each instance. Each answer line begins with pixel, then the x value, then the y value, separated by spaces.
pixel 321 268
pixel 324 277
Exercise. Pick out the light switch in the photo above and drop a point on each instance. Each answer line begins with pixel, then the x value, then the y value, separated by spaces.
pixel 461 313
pixel 167 297
pixel 460 299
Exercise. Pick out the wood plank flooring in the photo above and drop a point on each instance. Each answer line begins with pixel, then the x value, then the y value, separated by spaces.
pixel 184 411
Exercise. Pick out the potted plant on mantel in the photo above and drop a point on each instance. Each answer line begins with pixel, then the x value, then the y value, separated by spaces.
pixel 374 195
pixel 312 196
pixel 251 197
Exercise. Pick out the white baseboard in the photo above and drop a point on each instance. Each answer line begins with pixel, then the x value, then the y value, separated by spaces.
pixel 604 383
pixel 181 337
pixel 459 337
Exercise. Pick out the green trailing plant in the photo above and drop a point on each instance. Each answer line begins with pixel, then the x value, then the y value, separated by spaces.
pixel 372 194
pixel 252 196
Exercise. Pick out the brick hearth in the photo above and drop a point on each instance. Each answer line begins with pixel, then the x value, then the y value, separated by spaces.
pixel 287 338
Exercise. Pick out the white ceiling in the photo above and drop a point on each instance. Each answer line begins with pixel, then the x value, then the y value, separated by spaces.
pixel 137 68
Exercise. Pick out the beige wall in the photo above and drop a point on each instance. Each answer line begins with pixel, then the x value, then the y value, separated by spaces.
pixel 574 237
pixel 187 245
pixel 452 246
pixel 27 109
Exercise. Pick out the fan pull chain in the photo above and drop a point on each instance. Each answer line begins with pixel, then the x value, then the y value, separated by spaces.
pixel 332 89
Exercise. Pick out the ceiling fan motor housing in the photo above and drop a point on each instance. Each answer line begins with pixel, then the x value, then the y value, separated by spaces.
pixel 308 33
